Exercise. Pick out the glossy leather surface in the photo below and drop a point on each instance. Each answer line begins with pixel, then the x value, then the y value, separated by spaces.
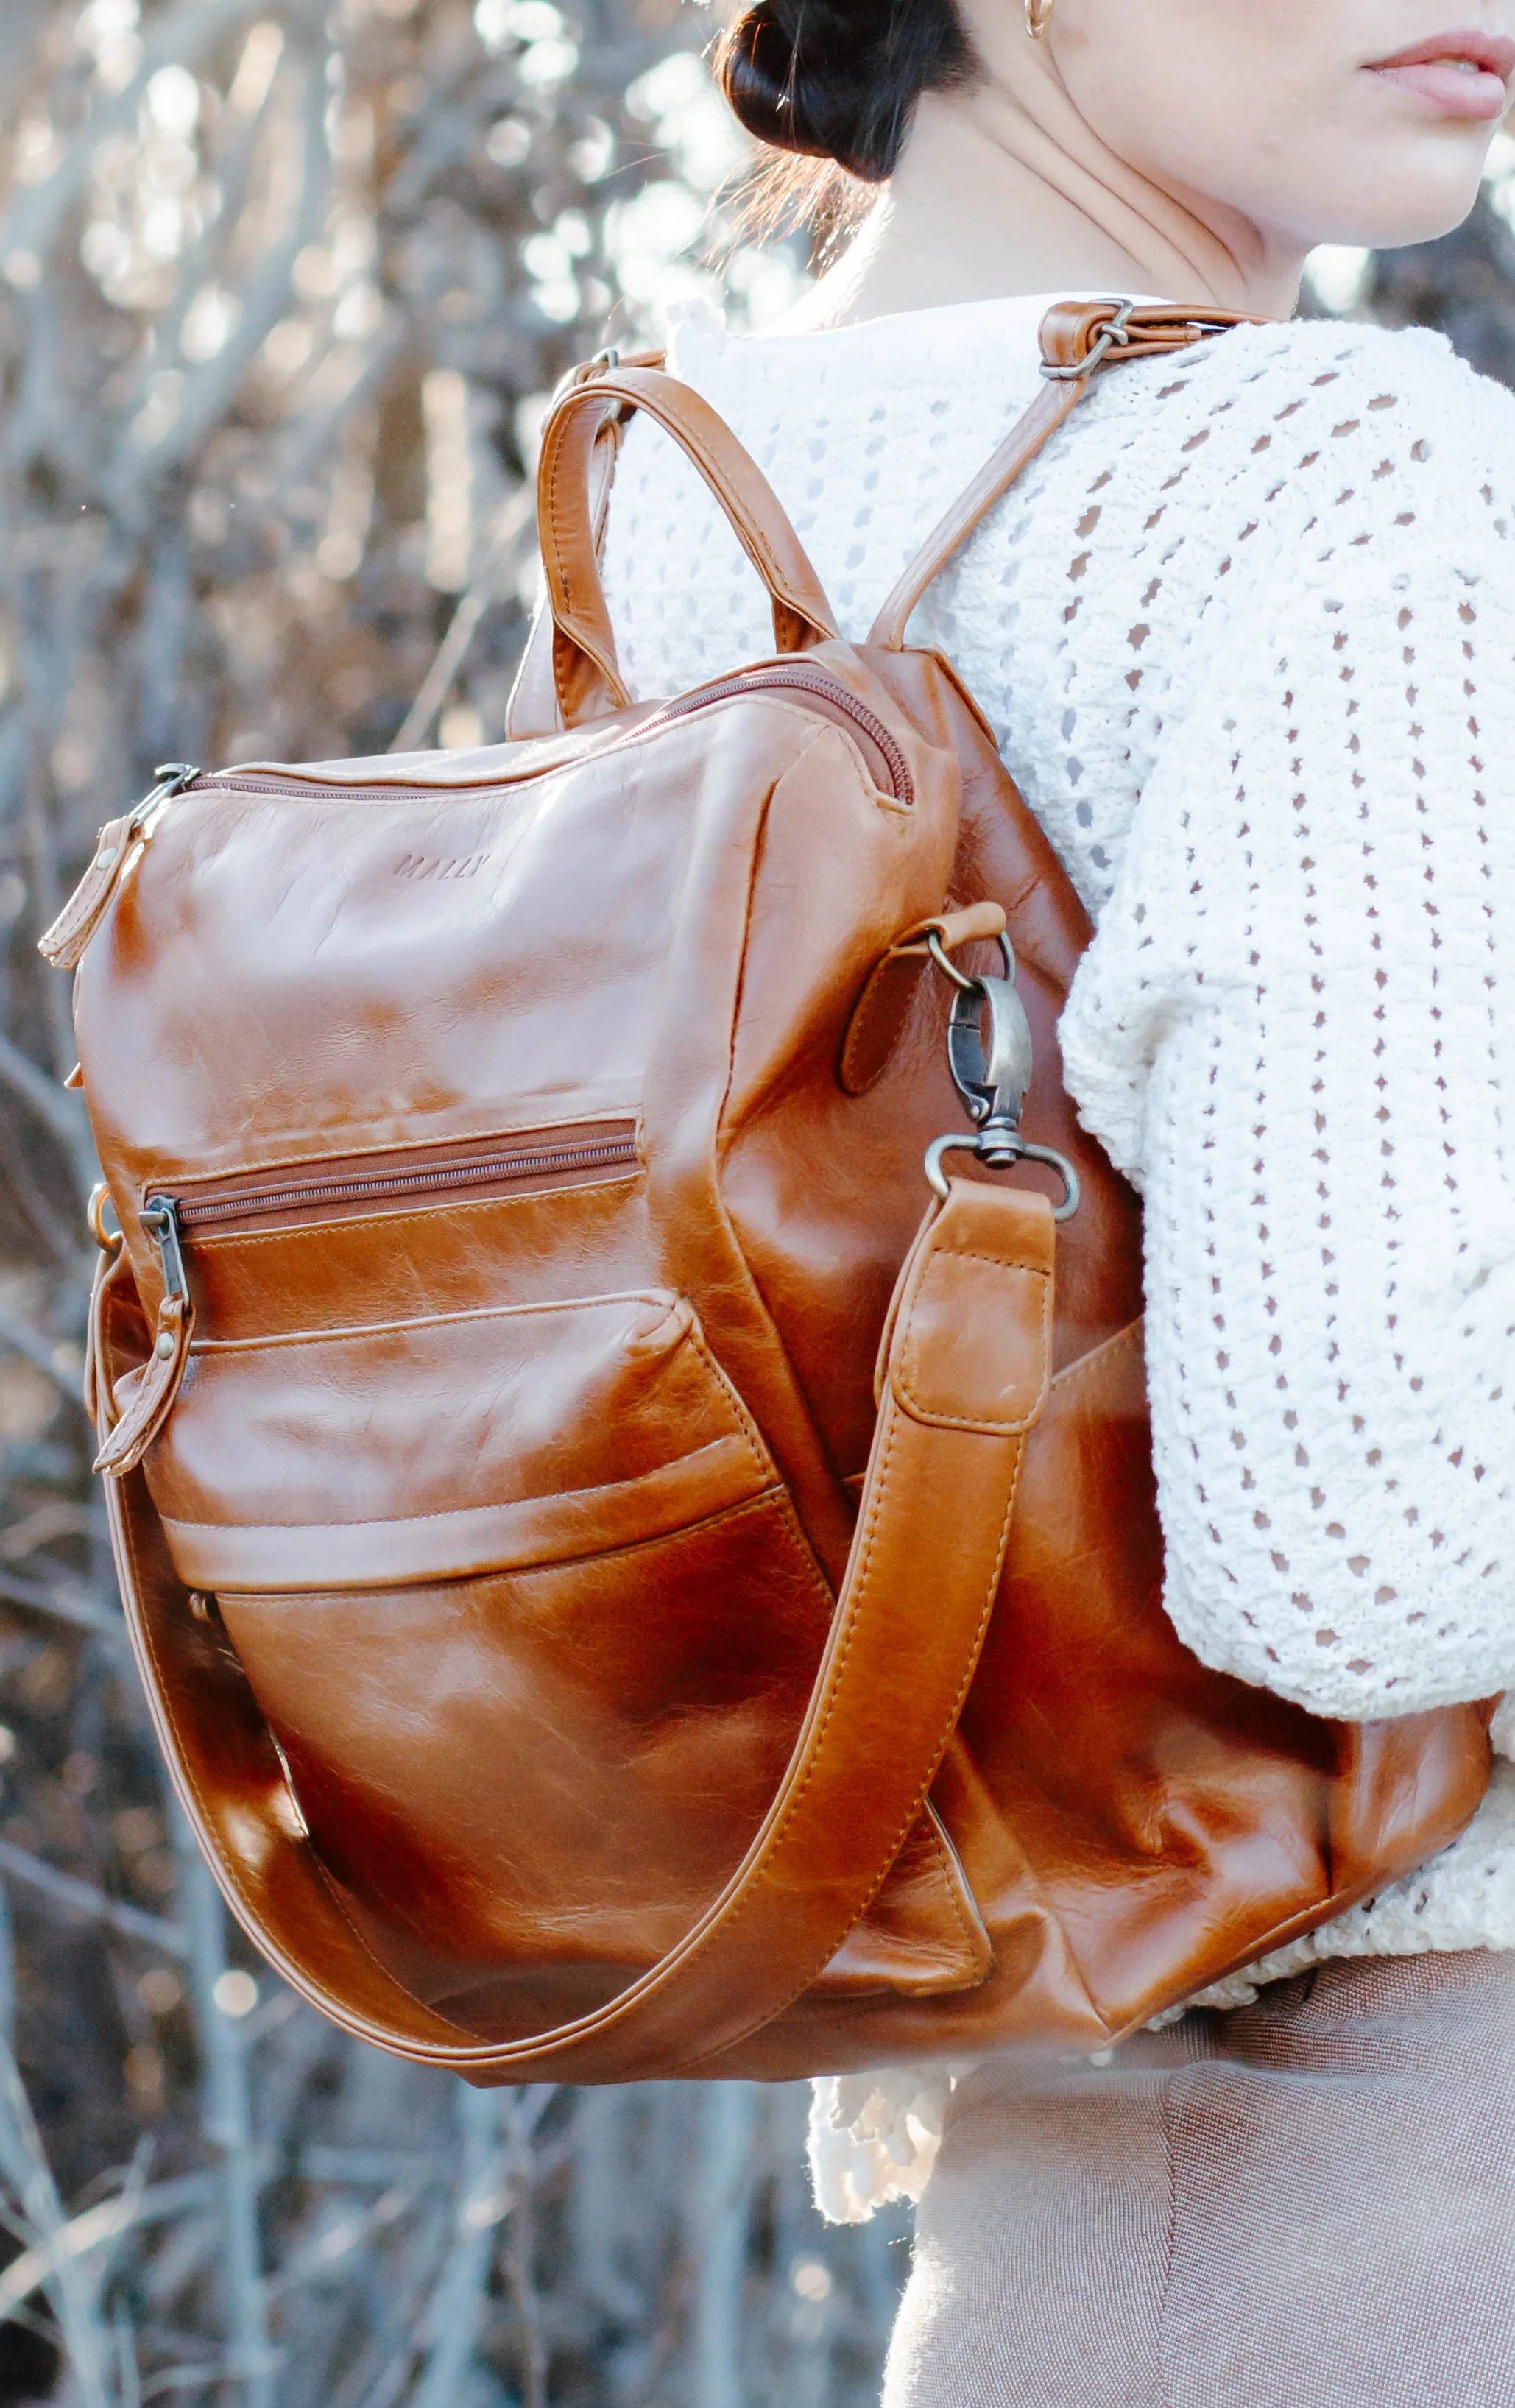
pixel 618 1668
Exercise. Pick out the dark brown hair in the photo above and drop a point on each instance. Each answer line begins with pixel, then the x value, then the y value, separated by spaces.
pixel 838 79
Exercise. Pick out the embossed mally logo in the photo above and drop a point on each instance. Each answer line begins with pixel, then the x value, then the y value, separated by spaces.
pixel 432 865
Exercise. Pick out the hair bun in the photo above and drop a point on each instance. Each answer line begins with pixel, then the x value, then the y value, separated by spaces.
pixel 840 79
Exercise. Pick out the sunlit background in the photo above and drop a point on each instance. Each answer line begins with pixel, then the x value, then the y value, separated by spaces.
pixel 283 291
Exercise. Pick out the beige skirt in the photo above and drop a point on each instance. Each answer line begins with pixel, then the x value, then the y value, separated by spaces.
pixel 1308 2203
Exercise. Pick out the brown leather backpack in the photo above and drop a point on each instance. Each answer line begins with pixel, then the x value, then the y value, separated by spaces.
pixel 572 1661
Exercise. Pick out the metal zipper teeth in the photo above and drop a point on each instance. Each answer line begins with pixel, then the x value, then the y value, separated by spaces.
pixel 359 1191
pixel 756 681
pixel 798 680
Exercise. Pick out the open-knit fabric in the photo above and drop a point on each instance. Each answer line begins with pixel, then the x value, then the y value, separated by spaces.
pixel 1245 635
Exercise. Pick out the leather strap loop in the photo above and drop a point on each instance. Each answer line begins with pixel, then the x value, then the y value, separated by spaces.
pixel 881 1011
pixel 1072 358
pixel 1070 332
pixel 586 670
pixel 966 1374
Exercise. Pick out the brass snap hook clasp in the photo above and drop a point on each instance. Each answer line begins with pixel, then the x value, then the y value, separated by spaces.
pixel 991 1072
pixel 988 1053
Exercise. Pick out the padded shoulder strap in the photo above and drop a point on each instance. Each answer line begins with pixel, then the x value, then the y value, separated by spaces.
pixel 1079 339
pixel 963 1379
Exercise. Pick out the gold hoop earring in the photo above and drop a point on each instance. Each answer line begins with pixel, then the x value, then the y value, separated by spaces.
pixel 1039 19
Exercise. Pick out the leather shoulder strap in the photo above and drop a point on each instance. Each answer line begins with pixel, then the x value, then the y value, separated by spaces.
pixel 1079 339
pixel 963 1379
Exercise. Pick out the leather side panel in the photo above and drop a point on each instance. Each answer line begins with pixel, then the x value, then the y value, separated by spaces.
pixel 823 1187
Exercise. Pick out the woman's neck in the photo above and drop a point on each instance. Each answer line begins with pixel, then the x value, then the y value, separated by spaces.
pixel 993 198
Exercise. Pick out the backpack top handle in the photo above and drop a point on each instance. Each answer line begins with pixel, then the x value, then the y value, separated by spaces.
pixel 585 668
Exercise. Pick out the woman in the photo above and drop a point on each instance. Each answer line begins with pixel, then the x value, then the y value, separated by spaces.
pixel 1244 634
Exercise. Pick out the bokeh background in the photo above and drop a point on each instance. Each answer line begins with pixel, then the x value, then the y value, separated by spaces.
pixel 284 285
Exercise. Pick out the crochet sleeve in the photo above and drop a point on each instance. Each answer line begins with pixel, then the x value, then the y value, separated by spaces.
pixel 1295 1029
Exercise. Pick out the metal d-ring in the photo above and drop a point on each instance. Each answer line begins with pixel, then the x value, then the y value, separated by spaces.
pixel 1002 1156
pixel 108 1240
pixel 964 979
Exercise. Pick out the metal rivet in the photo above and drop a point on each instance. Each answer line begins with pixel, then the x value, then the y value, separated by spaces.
pixel 105 855
pixel 165 1347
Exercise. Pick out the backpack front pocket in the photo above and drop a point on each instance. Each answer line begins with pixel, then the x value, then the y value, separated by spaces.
pixel 467 1442
pixel 536 1688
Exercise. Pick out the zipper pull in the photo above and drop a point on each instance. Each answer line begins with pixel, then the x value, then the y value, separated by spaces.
pixel 159 1216
pixel 157 1383
pixel 118 846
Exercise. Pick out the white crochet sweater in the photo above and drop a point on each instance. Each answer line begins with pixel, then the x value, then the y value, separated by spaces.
pixel 1245 634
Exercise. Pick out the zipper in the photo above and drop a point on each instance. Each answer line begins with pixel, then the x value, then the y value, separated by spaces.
pixel 170 1220
pixel 885 754
pixel 117 847
pixel 122 841
pixel 815 685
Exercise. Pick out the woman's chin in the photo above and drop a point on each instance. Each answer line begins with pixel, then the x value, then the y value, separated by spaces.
pixel 1405 210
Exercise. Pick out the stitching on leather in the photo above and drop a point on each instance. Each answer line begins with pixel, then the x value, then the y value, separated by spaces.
pixel 797 1530
pixel 771 2015
pixel 619 1118
pixel 1086 1366
pixel 870 1007
pixel 726 490
pixel 482 2054
pixel 617 2010
pixel 727 493
pixel 744 1430
pixel 753 1288
pixel 900 1838
pixel 450 1512
pixel 229 1242
pixel 749 1427
pixel 164 1688
pixel 551 1564
pixel 556 447
pixel 147 1412
pixel 909 1366
pixel 838 1671
pixel 944 1858
pixel 425 1321
pixel 557 444
pixel 437 2052
pixel 815 726
pixel 997 1262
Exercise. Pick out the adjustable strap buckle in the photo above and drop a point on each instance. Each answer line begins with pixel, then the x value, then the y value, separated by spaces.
pixel 988 1053
pixel 1112 338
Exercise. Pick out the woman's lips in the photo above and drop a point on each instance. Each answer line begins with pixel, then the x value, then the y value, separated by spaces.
pixel 1462 74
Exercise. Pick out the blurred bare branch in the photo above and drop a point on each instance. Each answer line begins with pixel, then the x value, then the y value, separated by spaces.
pixel 80 1898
